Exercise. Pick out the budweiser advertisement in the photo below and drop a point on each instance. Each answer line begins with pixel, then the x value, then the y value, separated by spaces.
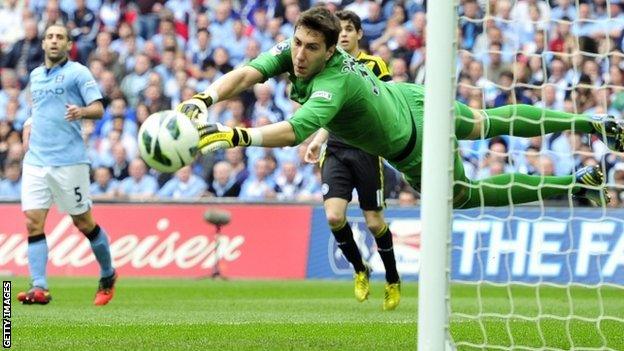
pixel 170 240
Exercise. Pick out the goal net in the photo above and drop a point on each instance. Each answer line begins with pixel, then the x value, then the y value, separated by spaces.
pixel 548 275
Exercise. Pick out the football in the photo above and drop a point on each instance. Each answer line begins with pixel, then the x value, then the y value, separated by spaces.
pixel 168 141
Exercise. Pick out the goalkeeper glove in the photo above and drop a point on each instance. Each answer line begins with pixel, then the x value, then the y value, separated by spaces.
pixel 193 107
pixel 213 137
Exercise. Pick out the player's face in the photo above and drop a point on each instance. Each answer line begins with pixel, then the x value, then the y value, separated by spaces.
pixel 349 36
pixel 309 53
pixel 56 43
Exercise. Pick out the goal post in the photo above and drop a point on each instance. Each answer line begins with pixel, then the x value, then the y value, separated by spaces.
pixel 548 275
pixel 436 186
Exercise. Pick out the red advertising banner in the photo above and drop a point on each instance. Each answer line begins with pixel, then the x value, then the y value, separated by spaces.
pixel 261 241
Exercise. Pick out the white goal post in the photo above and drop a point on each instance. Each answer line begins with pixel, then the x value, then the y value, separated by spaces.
pixel 436 193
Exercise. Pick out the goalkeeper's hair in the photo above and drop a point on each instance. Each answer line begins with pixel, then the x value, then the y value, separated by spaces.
pixel 322 20
pixel 352 17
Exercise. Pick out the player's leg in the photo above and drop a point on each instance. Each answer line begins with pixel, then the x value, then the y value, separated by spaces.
pixel 517 188
pixel 70 185
pixel 337 189
pixel 36 200
pixel 367 173
pixel 528 120
pixel 101 249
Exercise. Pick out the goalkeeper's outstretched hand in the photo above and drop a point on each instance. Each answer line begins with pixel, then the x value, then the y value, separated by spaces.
pixel 213 137
pixel 195 106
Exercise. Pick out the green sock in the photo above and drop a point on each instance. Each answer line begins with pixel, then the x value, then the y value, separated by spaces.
pixel 523 121
pixel 516 188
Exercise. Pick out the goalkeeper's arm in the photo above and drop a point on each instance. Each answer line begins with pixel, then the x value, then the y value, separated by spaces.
pixel 227 86
pixel 217 136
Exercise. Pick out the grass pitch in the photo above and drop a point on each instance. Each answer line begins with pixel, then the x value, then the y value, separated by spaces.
pixel 174 314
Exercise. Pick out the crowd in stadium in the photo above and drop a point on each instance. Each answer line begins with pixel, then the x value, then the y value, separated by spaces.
pixel 147 56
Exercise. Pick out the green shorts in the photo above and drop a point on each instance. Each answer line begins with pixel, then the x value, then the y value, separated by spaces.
pixel 411 165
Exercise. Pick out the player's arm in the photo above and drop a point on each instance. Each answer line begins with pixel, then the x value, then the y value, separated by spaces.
pixel 313 152
pixel 26 133
pixel 94 110
pixel 91 95
pixel 315 113
pixel 217 136
pixel 227 86
pixel 269 64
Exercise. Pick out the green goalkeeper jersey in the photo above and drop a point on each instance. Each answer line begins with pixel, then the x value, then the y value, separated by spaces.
pixel 348 100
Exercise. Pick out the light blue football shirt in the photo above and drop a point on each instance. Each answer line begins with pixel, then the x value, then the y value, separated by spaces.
pixel 53 140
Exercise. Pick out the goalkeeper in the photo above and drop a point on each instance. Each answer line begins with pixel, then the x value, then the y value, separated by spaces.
pixel 344 97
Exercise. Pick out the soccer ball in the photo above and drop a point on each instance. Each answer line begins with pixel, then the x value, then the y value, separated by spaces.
pixel 168 141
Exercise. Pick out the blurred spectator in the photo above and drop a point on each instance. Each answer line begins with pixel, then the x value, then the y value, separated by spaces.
pixel 138 185
pixel 147 20
pixel 119 166
pixel 237 44
pixel 496 160
pixel 83 26
pixel 109 88
pixel 290 17
pixel 52 15
pixel 565 8
pixel 407 197
pixel 373 24
pixel 154 99
pixel 104 186
pixel 134 83
pixel 127 45
pixel 494 63
pixel 11 186
pixel 26 54
pixel 360 7
pixel 259 29
pixel 11 29
pixel 224 183
pixel 469 23
pixel 110 13
pixel 236 158
pixel 264 105
pixel 184 185
pixel 200 49
pixel 259 186
pixel 117 109
pixel 221 25
pixel 545 166
pixel 290 182
pixel 313 188
pixel 181 9
pixel 166 28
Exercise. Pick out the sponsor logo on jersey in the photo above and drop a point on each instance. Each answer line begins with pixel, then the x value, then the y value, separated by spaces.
pixel 322 95
pixel 59 78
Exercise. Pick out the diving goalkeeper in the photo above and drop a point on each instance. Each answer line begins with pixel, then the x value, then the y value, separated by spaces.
pixel 344 97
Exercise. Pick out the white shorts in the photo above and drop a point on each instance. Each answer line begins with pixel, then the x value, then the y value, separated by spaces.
pixel 66 186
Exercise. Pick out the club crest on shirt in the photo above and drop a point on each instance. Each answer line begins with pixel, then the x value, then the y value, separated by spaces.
pixel 59 78
pixel 279 48
pixel 321 95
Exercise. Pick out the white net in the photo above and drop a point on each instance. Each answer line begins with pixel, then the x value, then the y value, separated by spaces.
pixel 548 275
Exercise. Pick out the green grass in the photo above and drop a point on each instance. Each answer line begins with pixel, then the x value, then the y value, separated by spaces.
pixel 175 314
